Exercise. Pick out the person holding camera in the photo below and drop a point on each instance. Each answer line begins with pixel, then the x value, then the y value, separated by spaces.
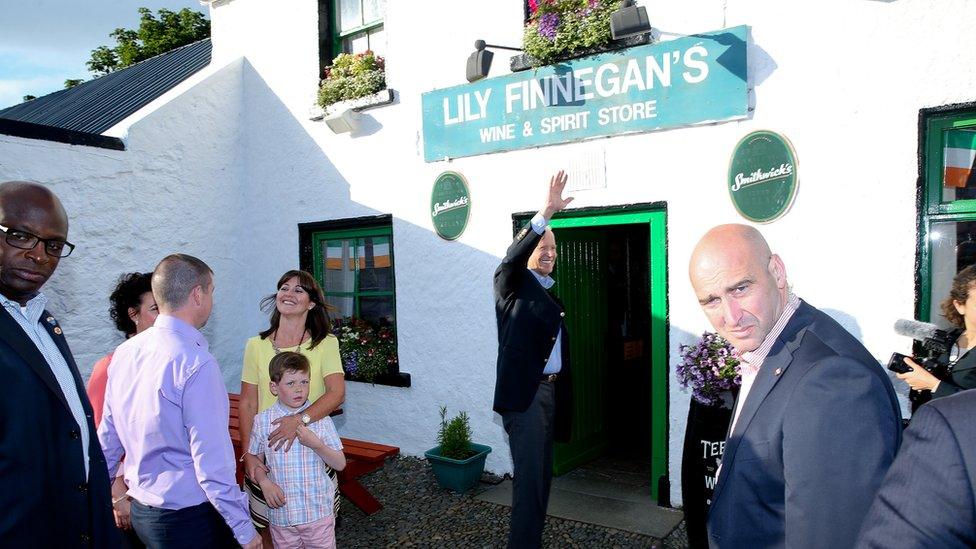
pixel 959 308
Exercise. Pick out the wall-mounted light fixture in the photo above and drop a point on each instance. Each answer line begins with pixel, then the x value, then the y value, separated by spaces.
pixel 479 62
pixel 629 20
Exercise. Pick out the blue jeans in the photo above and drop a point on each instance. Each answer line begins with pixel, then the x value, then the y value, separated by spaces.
pixel 198 526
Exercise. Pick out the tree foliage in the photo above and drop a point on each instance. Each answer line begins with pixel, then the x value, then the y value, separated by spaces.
pixel 72 82
pixel 157 34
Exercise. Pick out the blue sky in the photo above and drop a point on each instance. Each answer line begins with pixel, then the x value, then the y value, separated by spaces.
pixel 45 42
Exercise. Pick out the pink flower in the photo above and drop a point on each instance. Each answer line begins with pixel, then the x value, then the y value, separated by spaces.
pixel 533 6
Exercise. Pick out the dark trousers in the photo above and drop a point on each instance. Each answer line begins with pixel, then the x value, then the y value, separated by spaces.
pixel 530 438
pixel 191 527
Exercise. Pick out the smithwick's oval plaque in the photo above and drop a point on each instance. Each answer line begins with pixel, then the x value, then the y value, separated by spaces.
pixel 762 176
pixel 450 205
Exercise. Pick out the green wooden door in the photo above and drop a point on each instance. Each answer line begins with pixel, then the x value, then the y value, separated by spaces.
pixel 581 275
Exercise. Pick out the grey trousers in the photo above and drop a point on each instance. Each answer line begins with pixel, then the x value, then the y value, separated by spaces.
pixel 530 438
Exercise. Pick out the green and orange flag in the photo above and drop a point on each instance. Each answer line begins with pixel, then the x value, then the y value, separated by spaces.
pixel 959 158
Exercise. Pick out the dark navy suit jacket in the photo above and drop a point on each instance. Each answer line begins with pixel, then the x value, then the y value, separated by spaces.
pixel 928 498
pixel 45 499
pixel 528 317
pixel 813 441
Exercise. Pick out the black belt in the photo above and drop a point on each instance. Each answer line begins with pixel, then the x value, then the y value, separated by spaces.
pixel 549 378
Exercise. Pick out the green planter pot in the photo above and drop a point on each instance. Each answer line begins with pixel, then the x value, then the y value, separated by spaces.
pixel 456 474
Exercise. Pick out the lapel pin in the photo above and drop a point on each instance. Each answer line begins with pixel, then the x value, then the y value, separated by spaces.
pixel 57 330
pixel 50 320
pixel 777 371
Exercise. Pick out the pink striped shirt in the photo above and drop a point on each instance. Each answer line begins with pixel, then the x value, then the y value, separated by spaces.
pixel 752 360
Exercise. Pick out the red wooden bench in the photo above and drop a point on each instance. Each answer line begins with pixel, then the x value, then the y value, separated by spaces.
pixel 235 433
pixel 361 457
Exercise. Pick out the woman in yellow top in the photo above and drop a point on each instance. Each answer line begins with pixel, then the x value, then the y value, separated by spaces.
pixel 299 322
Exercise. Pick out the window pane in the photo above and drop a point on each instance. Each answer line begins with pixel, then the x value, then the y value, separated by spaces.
pixel 953 247
pixel 343 306
pixel 357 43
pixel 340 267
pixel 373 10
pixel 378 311
pixel 377 41
pixel 350 14
pixel 958 161
pixel 376 264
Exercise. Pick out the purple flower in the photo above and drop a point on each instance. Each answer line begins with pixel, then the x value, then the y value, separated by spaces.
pixel 547 25
pixel 708 368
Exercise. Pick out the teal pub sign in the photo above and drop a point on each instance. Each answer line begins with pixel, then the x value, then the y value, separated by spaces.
pixel 698 79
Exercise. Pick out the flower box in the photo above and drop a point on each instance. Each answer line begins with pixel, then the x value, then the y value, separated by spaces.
pixel 524 61
pixel 556 30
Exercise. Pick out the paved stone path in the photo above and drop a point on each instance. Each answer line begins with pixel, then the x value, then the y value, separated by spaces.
pixel 418 513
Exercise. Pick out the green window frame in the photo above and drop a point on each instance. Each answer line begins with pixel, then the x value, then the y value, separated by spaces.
pixel 358 257
pixel 934 211
pixel 368 26
pixel 348 258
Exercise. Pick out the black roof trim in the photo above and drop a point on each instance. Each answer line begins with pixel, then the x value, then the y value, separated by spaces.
pixel 97 105
pixel 29 130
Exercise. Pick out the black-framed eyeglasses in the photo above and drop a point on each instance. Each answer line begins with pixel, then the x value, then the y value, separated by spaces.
pixel 26 241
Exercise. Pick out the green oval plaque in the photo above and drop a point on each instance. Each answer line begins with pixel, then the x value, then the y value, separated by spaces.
pixel 762 176
pixel 450 205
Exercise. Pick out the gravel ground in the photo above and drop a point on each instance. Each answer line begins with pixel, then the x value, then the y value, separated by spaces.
pixel 418 513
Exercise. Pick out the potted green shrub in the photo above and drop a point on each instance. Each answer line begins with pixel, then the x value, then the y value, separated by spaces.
pixel 457 462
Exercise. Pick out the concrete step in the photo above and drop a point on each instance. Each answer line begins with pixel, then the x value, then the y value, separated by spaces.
pixel 611 505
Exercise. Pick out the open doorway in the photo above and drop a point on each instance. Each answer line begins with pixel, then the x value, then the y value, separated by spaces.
pixel 611 276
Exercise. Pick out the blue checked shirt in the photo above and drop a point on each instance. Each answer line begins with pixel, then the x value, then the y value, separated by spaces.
pixel 555 363
pixel 29 319
pixel 300 472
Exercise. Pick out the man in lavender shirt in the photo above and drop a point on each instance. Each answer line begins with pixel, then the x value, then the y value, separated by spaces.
pixel 166 409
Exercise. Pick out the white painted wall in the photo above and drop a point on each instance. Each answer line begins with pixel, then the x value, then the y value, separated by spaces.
pixel 175 189
pixel 226 170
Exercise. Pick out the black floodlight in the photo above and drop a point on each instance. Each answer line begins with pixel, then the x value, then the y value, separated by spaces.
pixel 479 62
pixel 629 20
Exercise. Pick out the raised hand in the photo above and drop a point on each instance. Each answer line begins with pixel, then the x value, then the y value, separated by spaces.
pixel 555 200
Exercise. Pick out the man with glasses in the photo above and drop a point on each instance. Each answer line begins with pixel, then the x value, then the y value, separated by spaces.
pixel 54 487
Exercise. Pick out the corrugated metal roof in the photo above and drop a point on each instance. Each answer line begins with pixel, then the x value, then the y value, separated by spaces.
pixel 99 104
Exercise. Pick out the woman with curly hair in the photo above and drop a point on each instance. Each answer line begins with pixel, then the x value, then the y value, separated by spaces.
pixel 133 309
pixel 959 308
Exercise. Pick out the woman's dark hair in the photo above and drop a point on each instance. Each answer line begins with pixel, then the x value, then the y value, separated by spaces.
pixel 317 322
pixel 126 295
pixel 961 284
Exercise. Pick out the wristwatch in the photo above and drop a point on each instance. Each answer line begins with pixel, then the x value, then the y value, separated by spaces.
pixel 306 419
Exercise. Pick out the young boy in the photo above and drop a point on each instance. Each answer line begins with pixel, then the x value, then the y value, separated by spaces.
pixel 297 488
